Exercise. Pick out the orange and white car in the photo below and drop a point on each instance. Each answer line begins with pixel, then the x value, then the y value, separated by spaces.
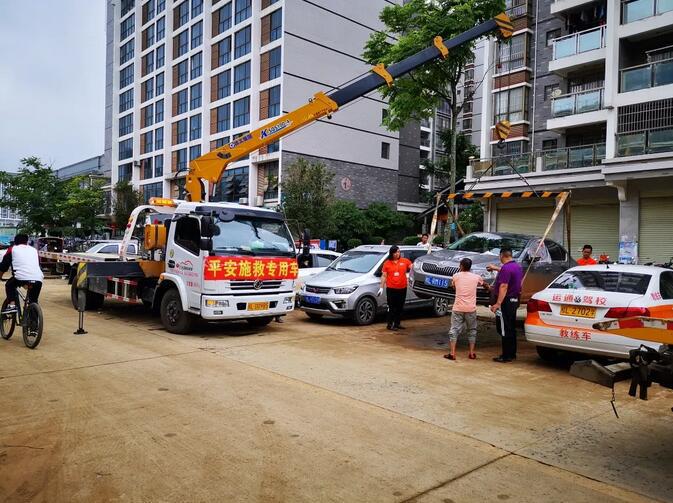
pixel 561 316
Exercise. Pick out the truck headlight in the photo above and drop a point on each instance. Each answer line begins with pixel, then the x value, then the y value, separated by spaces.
pixel 288 300
pixel 217 303
pixel 345 290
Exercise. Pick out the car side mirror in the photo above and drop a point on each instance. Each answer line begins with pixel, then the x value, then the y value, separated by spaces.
pixel 378 273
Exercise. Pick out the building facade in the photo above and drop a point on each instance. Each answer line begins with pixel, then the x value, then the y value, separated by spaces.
pixel 588 88
pixel 185 77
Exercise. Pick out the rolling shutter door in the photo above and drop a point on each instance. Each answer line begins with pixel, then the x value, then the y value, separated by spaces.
pixel 597 225
pixel 524 220
pixel 656 229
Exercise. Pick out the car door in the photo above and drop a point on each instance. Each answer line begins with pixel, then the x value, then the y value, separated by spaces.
pixel 412 255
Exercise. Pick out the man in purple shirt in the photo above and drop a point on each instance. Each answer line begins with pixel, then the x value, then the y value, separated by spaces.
pixel 506 290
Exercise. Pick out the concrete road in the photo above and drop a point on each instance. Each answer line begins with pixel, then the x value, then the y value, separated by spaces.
pixel 306 411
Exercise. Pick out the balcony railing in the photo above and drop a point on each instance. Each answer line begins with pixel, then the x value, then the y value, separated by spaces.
pixel 572 157
pixel 635 10
pixel 658 73
pixel 650 141
pixel 516 8
pixel 577 103
pixel 577 43
pixel 503 165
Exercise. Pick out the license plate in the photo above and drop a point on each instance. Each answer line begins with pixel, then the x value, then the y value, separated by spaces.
pixel 578 311
pixel 438 282
pixel 311 299
pixel 258 306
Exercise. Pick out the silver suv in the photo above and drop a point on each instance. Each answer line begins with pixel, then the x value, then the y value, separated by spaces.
pixel 348 286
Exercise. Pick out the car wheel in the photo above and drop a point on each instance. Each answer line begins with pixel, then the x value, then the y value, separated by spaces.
pixel 315 316
pixel 547 354
pixel 440 307
pixel 365 311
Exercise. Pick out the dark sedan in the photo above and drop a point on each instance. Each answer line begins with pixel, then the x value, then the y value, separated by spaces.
pixel 431 274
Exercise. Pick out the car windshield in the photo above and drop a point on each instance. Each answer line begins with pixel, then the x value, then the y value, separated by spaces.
pixel 603 281
pixel 253 236
pixel 356 261
pixel 484 242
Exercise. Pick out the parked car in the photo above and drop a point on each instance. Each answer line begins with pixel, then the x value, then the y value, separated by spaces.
pixel 348 287
pixel 113 247
pixel 318 260
pixel 562 315
pixel 48 244
pixel 431 275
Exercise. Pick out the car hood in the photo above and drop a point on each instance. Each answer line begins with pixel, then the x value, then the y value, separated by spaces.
pixel 448 258
pixel 336 278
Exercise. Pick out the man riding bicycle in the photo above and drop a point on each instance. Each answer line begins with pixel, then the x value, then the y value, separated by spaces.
pixel 25 264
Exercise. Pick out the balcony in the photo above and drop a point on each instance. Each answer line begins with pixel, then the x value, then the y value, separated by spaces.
pixel 651 141
pixel 635 10
pixel 577 109
pixel 572 157
pixel 559 6
pixel 655 74
pixel 502 165
pixel 578 50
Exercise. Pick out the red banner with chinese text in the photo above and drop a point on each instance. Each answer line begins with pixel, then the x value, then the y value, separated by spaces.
pixel 246 268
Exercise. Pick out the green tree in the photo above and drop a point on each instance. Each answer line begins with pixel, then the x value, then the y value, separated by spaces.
pixel 126 199
pixel 36 193
pixel 84 201
pixel 441 169
pixel 383 221
pixel 308 193
pixel 413 26
pixel 471 219
pixel 347 222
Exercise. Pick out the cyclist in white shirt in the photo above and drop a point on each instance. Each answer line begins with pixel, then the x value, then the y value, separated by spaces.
pixel 25 264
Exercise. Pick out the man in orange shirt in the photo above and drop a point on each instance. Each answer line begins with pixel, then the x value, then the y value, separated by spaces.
pixel 586 256
pixel 394 278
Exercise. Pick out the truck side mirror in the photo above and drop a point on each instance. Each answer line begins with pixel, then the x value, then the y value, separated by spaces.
pixel 209 228
pixel 206 244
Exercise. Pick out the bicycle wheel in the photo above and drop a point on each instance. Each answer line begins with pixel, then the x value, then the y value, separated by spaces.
pixel 32 325
pixel 7 322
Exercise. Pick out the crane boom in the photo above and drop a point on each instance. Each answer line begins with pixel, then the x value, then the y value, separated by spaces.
pixel 210 166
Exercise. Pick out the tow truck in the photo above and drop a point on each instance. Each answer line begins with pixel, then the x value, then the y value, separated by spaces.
pixel 221 261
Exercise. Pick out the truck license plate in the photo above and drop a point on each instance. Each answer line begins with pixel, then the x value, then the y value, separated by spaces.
pixel 578 311
pixel 258 306
pixel 311 299
pixel 438 282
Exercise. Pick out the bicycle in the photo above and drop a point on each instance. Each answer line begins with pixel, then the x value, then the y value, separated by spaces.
pixel 30 318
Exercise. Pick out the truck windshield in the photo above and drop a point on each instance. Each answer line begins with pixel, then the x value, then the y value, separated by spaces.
pixel 356 261
pixel 253 236
pixel 484 242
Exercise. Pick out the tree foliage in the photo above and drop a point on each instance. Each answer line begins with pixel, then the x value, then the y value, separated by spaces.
pixel 471 219
pixel 441 169
pixel 84 201
pixel 126 199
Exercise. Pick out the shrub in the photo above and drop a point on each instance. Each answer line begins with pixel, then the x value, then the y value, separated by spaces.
pixel 410 240
pixel 439 240
pixel 353 243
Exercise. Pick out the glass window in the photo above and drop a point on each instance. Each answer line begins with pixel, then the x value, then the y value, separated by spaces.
pixel 556 252
pixel 182 131
pixel 253 236
pixel 148 114
pixel 274 63
pixel 159 165
pixel 197 8
pixel 197 67
pixel 182 12
pixel 274 101
pixel 267 3
pixel 148 63
pixel 183 43
pixel 159 84
pixel 604 281
pixel 149 89
pixel 149 36
pixel 197 34
pixel 161 28
pixel 161 56
pixel 224 51
pixel 221 142
pixel 161 6
pixel 124 171
pixel 233 186
pixel 182 101
pixel 126 76
pixel 243 10
pixel 242 77
pixel 125 100
pixel 273 147
pixel 483 242
pixel 159 138
pixel 194 152
pixel 188 233
pixel 276 24
pixel 356 261
pixel 181 159
pixel 126 149
pixel 195 96
pixel 551 35
pixel 271 179
pixel 159 111
pixel 126 52
pixel 242 112
pixel 195 127
pixel 183 67
pixel 511 54
pixel 224 84
pixel 549 91
pixel 242 42
pixel 126 125
pixel 510 105
pixel 385 150
pixel 149 144
pixel 223 118
pixel 127 27
pixel 149 6
pixel 666 285
pixel 152 190
pixel 223 15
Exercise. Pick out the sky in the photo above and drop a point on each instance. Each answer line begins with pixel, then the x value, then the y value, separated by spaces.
pixel 52 81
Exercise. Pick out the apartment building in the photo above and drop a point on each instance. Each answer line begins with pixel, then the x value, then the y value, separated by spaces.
pixel 588 88
pixel 185 77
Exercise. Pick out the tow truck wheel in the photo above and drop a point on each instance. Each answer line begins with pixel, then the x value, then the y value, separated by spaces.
pixel 173 317
pixel 259 322
pixel 91 300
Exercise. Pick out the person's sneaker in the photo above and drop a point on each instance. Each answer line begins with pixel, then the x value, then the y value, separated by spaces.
pixel 11 308
pixel 502 359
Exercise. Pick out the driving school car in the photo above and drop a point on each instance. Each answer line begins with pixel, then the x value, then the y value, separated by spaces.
pixel 561 317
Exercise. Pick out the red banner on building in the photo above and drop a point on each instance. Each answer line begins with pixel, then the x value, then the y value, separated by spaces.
pixel 245 268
